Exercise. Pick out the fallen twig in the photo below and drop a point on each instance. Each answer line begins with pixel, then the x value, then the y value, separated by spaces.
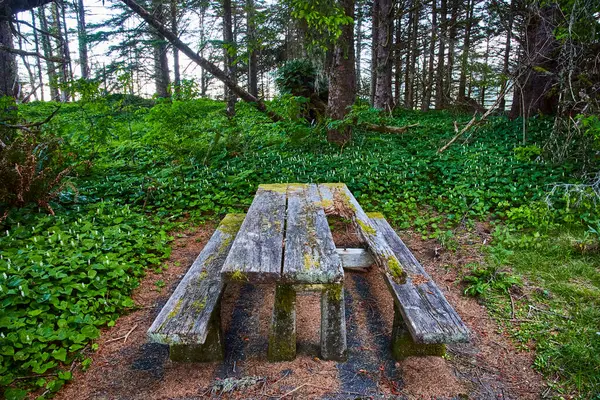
pixel 126 336
pixel 129 333
pixel 387 129
pixel 293 390
pixel 474 120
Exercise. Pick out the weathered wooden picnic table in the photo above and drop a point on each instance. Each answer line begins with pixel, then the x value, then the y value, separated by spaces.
pixel 285 240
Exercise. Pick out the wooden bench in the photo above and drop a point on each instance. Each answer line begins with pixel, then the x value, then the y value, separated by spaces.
pixel 190 321
pixel 292 214
pixel 424 321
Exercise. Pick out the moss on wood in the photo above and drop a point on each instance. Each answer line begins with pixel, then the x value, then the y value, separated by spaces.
pixel 175 309
pixel 375 215
pixel 396 271
pixel 238 276
pixel 282 339
pixel 403 346
pixel 366 228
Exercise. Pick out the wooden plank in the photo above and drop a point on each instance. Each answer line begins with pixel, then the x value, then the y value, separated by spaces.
pixel 425 310
pixel 355 259
pixel 310 253
pixel 337 199
pixel 185 317
pixel 257 251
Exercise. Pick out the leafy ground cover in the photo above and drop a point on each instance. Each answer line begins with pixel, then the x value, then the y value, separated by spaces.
pixel 154 166
pixel 544 289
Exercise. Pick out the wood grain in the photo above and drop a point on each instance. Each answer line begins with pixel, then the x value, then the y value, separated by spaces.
pixel 310 253
pixel 257 251
pixel 185 317
pixel 425 310
pixel 338 200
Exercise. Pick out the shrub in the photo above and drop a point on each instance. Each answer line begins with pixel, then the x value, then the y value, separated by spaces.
pixel 32 171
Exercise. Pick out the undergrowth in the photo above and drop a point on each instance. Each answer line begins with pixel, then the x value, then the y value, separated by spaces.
pixel 62 277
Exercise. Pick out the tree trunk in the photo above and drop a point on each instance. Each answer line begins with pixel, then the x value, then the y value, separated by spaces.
pixel 383 86
pixel 374 44
pixel 161 61
pixel 439 83
pixel 429 82
pixel 252 48
pixel 63 77
pixel 451 44
pixel 413 53
pixel 176 73
pixel 533 93
pixel 229 55
pixel 342 79
pixel 25 62
pixel 48 53
pixel 359 43
pixel 204 78
pixel 485 74
pixel 8 62
pixel 464 57
pixel 408 84
pixel 65 29
pixel 82 40
pixel 505 65
pixel 38 60
pixel 398 48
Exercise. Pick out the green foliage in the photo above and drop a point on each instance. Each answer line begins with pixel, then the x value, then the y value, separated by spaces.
pixel 62 278
pixel 149 171
pixel 559 311
pixel 527 153
pixel 299 77
pixel 483 279
pixel 324 20
pixel 33 167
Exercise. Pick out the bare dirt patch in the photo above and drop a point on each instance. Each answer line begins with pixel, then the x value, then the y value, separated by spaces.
pixel 126 366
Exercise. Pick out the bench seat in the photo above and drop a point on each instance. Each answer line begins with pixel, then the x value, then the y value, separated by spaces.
pixel 420 306
pixel 424 321
pixel 190 320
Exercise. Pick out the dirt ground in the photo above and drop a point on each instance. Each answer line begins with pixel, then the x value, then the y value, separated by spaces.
pixel 127 366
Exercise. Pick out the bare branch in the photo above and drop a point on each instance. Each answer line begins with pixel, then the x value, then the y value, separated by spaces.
pixel 33 124
pixel 30 54
pixel 474 120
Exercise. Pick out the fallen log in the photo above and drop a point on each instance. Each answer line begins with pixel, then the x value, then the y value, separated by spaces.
pixel 385 128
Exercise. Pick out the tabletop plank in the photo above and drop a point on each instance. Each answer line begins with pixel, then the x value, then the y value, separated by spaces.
pixel 337 199
pixel 310 253
pixel 257 251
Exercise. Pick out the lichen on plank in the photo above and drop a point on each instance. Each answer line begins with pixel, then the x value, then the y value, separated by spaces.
pixel 184 320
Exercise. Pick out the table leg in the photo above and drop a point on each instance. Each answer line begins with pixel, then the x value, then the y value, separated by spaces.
pixel 282 338
pixel 333 323
pixel 403 344
pixel 211 350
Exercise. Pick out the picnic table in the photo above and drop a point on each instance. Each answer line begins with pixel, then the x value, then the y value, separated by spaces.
pixel 285 240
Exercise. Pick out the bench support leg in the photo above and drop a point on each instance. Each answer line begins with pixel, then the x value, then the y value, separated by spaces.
pixel 403 344
pixel 333 323
pixel 282 338
pixel 211 350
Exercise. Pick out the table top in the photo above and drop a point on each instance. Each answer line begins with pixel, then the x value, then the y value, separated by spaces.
pixel 285 238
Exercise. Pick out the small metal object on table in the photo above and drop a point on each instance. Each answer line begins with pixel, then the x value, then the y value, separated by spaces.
pixel 285 239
